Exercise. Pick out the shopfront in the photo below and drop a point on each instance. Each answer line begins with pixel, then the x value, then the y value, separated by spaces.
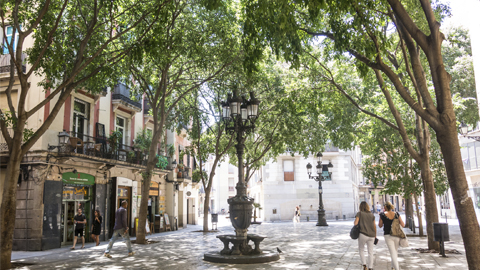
pixel 152 201
pixel 77 193
pixel 126 191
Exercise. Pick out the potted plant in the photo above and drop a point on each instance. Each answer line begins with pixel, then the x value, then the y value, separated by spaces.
pixel 114 141
pixel 131 156
pixel 256 205
pixel 180 168
pixel 197 176
pixel 170 150
pixel 161 162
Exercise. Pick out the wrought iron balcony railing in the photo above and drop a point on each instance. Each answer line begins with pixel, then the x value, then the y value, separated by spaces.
pixel 5 63
pixel 101 147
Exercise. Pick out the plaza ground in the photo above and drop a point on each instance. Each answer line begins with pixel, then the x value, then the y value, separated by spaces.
pixel 303 246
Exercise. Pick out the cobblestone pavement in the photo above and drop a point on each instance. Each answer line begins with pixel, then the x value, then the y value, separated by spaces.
pixel 303 246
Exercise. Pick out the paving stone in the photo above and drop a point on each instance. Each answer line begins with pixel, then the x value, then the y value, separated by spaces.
pixel 304 246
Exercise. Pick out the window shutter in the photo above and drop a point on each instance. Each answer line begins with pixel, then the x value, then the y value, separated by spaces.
pixel 288 170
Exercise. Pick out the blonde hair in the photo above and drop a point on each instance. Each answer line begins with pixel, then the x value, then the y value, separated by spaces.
pixel 388 206
pixel 364 207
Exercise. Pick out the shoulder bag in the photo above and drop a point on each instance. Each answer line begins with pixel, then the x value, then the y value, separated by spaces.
pixel 355 231
pixel 397 231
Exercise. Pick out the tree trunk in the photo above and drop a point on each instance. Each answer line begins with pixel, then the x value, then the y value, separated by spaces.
pixel 408 208
pixel 142 213
pixel 206 205
pixel 431 212
pixel 448 140
pixel 9 203
pixel 147 180
pixel 419 217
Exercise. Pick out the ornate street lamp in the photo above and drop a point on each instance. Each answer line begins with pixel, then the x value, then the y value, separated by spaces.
pixel 62 141
pixel 464 131
pixel 239 115
pixel 322 175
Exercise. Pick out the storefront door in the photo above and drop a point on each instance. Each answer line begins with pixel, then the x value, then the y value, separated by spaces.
pixel 124 194
pixel 69 210
pixel 77 193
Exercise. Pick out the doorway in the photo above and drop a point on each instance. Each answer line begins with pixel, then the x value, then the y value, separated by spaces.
pixel 124 194
pixel 69 210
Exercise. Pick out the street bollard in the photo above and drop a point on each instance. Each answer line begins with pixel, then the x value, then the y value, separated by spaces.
pixel 308 218
pixel 440 234
pixel 336 217
pixel 413 225
pixel 344 217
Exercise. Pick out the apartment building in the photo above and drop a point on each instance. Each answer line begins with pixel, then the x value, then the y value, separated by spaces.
pixel 87 159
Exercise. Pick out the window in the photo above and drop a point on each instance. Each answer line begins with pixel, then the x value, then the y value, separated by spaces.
pixel 231 184
pixel 8 38
pixel 120 126
pixel 288 173
pixel 81 111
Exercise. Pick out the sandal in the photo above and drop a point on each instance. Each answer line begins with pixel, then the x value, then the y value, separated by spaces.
pixel 72 248
pixel 82 247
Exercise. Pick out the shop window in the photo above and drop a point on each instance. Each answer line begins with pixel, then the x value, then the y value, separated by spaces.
pixel 288 172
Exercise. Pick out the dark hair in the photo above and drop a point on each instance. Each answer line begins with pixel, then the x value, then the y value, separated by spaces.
pixel 364 207
pixel 98 211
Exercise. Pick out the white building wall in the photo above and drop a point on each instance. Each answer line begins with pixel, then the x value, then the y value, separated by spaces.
pixel 340 196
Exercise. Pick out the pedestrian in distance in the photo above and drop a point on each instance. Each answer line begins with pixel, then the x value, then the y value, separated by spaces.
pixel 80 220
pixel 296 216
pixel 96 227
pixel 120 229
pixel 392 242
pixel 368 234
pixel 379 208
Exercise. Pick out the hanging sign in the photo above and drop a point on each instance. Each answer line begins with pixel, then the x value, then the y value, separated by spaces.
pixel 78 178
pixel 153 191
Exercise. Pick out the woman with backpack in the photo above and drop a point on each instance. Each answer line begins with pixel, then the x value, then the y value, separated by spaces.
pixel 368 233
pixel 393 242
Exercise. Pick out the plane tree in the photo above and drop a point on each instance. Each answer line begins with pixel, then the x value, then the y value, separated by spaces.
pixel 363 30
pixel 67 45
pixel 191 44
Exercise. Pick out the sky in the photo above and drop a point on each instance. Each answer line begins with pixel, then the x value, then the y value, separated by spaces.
pixel 466 13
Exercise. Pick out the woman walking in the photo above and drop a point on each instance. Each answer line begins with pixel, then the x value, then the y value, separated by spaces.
pixel 386 219
pixel 368 233
pixel 97 227
pixel 296 216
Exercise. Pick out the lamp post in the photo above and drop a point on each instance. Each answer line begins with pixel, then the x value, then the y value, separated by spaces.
pixel 239 116
pixel 322 175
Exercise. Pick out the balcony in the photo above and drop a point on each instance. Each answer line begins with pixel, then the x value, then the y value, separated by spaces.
pixel 82 145
pixel 5 64
pixel 121 99
pixel 3 142
pixel 183 174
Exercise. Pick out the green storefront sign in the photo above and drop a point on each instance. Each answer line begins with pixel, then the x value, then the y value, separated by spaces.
pixel 78 178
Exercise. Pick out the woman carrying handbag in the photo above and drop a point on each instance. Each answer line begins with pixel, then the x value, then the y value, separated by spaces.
pixel 386 220
pixel 368 234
